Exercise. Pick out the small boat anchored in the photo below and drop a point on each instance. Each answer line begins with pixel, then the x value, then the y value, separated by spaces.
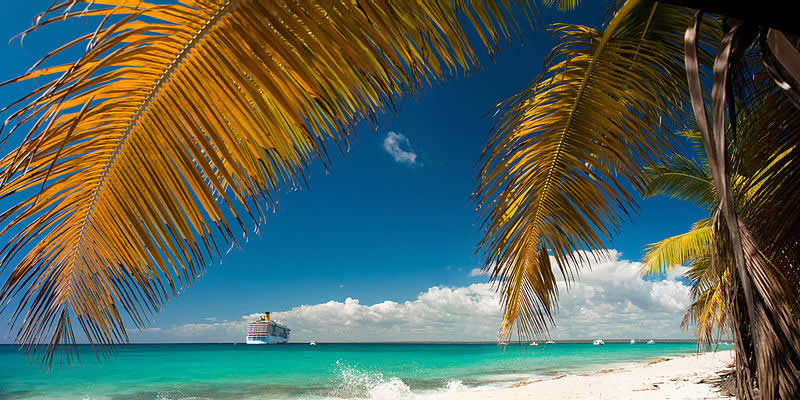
pixel 550 342
pixel 313 343
pixel 534 343
pixel 633 341
pixel 598 342
pixel 651 341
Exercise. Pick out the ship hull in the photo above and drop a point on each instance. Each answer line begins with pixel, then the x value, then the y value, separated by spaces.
pixel 268 340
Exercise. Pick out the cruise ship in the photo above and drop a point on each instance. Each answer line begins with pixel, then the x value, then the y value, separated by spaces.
pixel 266 331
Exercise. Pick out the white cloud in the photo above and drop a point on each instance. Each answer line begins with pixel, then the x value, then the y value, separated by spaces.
pixel 439 313
pixel 610 299
pixel 222 331
pixel 399 147
pixel 477 272
pixel 146 330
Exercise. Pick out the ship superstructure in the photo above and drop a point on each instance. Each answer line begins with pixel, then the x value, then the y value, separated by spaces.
pixel 267 331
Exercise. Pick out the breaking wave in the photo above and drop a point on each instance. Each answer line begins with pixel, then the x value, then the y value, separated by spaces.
pixel 353 383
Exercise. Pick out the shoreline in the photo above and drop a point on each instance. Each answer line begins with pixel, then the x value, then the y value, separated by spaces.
pixel 687 377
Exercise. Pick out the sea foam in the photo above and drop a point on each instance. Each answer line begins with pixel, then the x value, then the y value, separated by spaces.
pixel 354 383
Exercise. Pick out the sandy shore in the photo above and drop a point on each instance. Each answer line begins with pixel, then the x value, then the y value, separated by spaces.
pixel 684 377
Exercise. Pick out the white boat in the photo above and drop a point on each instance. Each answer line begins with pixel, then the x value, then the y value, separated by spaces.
pixel 598 342
pixel 633 341
pixel 651 341
pixel 534 344
pixel 549 342
pixel 266 331
pixel 313 343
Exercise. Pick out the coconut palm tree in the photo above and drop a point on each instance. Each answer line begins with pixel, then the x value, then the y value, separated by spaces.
pixel 682 178
pixel 707 312
pixel 554 171
pixel 152 152
pixel 565 154
pixel 168 139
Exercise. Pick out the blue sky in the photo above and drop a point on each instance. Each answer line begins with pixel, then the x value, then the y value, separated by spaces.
pixel 374 228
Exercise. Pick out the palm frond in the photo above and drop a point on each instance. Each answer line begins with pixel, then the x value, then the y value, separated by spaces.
pixel 169 138
pixel 663 256
pixel 767 158
pixel 701 273
pixel 708 311
pixel 554 172
pixel 681 178
pixel 563 5
pixel 696 139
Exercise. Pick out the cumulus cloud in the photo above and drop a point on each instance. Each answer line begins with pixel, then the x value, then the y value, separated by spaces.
pixel 399 147
pixel 477 272
pixel 610 299
pixel 439 313
pixel 212 331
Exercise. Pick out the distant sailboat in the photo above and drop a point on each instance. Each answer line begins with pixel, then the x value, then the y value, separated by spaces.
pixel 651 341
pixel 598 342
pixel 633 341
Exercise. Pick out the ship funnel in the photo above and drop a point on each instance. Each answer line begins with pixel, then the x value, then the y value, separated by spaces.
pixel 266 316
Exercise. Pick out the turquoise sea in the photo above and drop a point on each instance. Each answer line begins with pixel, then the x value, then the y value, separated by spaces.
pixel 300 371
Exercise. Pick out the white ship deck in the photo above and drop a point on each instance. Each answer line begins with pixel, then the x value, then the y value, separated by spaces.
pixel 266 331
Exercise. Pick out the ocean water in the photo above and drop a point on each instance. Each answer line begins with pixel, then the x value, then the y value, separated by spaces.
pixel 300 371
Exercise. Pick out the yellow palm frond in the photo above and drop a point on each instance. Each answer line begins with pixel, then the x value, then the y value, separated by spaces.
pixel 708 311
pixel 169 138
pixel 553 176
pixel 663 256
pixel 562 5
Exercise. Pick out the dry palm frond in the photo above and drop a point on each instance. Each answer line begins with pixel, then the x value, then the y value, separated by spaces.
pixel 770 224
pixel 708 311
pixel 760 298
pixel 708 314
pixel 553 180
pixel 168 138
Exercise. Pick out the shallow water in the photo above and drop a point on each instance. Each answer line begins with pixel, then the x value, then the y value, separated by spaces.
pixel 300 371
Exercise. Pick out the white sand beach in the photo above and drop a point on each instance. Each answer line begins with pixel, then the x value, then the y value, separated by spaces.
pixel 687 377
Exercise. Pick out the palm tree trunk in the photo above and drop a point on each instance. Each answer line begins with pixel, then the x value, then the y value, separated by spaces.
pixel 721 170
pixel 715 146
pixel 767 334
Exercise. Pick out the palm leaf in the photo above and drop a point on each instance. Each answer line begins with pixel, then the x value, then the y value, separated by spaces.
pixel 665 255
pixel 681 178
pixel 169 138
pixel 767 159
pixel 555 171
pixel 708 311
